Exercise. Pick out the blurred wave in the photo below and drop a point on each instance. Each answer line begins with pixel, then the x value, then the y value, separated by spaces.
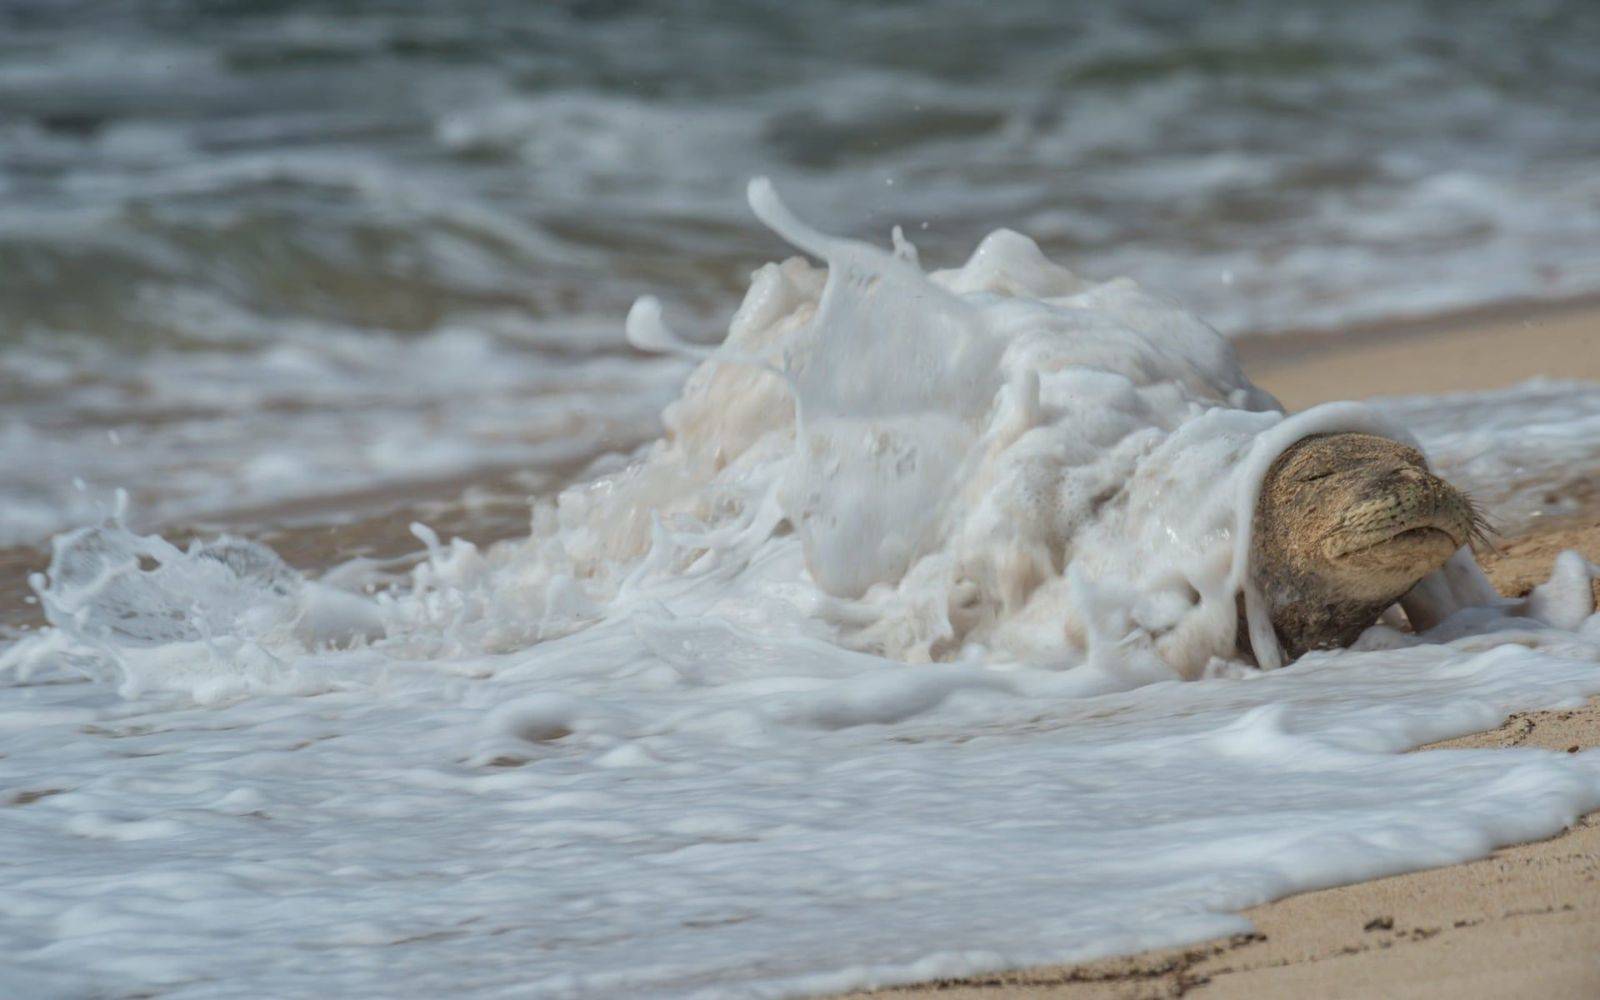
pixel 356 242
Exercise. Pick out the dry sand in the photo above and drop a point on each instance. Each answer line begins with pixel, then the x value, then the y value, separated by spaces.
pixel 1481 349
pixel 1523 922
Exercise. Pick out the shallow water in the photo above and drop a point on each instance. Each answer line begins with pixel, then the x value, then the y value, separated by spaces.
pixel 256 252
pixel 671 744
pixel 727 837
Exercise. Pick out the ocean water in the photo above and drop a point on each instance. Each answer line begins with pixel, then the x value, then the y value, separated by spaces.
pixel 906 651
pixel 255 252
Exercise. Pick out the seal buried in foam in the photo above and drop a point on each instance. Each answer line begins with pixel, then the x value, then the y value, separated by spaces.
pixel 1001 461
pixel 1346 525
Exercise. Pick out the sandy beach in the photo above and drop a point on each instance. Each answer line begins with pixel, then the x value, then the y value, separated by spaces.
pixel 1457 352
pixel 1523 921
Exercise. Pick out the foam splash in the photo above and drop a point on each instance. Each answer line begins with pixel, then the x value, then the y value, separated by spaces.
pixel 1001 462
pixel 216 621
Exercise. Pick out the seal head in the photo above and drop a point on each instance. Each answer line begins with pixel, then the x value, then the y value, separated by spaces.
pixel 1344 526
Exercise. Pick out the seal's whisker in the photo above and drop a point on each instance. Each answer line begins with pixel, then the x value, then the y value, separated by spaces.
pixel 1482 532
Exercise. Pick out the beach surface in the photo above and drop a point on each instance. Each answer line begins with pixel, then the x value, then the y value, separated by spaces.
pixel 1469 351
pixel 1523 921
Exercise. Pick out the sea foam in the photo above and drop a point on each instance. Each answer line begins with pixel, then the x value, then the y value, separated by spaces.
pixel 866 671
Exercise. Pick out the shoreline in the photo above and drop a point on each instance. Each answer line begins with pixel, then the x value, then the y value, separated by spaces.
pixel 1523 919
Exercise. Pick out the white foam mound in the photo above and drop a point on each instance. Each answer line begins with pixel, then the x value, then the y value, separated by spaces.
pixel 1001 461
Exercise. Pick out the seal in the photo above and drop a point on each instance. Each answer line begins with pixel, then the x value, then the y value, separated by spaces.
pixel 1344 526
